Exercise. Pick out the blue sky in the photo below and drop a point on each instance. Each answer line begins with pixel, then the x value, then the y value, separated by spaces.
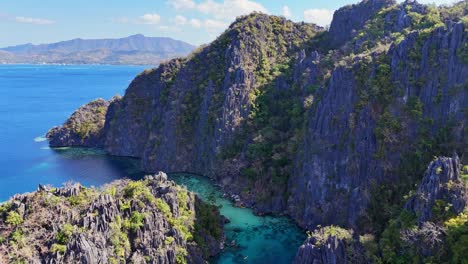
pixel 194 21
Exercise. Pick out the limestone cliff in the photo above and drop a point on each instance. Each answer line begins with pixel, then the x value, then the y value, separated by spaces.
pixel 147 221
pixel 433 226
pixel 326 126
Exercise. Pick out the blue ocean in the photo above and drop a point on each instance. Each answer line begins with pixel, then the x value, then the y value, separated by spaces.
pixel 34 98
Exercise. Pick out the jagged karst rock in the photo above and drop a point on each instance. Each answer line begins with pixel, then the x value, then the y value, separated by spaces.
pixel 293 123
pixel 441 181
pixel 83 128
pixel 322 247
pixel 126 221
pixel 333 252
pixel 348 20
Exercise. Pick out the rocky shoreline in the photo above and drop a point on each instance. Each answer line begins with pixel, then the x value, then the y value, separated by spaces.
pixel 148 221
pixel 333 128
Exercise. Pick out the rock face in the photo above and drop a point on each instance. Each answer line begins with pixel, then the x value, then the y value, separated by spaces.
pixel 332 252
pixel 416 233
pixel 348 20
pixel 441 182
pixel 147 221
pixel 292 124
pixel 83 128
pixel 330 245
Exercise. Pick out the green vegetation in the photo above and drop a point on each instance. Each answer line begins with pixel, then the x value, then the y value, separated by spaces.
pixel 58 248
pixel 14 218
pixel 206 223
pixel 18 237
pixel 64 234
pixel 135 221
pixel 181 255
pixel 119 239
pixel 414 107
pixel 322 234
pixel 85 196
pixel 137 206
pixel 274 127
pixel 457 238
pixel 169 240
pixel 163 207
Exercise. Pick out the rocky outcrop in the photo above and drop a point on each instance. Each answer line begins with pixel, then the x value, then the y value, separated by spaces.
pixel 361 135
pixel 349 20
pixel 330 245
pixel 333 252
pixel 147 221
pixel 83 128
pixel 441 182
pixel 291 124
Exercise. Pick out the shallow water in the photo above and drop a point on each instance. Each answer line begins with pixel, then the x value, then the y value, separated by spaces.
pixel 34 98
pixel 258 239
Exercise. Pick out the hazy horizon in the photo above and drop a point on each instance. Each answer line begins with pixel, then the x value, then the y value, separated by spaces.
pixel 193 21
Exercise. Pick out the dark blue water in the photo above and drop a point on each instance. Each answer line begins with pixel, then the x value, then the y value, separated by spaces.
pixel 35 98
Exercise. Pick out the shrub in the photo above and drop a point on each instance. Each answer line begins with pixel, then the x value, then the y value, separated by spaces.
pixel 181 255
pixel 168 240
pixel 322 234
pixel 14 218
pixel 457 237
pixel 58 248
pixel 414 107
pixel 18 237
pixel 134 222
pixel 163 207
pixel 64 234
pixel 119 239
pixel 133 189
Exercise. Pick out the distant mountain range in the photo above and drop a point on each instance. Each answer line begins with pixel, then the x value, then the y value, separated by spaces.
pixel 135 49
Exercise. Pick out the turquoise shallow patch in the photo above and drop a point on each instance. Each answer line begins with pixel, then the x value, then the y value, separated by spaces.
pixel 258 239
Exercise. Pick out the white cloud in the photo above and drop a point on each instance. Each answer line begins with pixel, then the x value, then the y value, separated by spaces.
pixel 225 10
pixel 35 21
pixel 180 20
pixel 321 17
pixel 195 23
pixel 286 11
pixel 149 19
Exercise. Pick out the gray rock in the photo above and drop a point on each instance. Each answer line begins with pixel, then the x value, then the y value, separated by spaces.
pixel 441 181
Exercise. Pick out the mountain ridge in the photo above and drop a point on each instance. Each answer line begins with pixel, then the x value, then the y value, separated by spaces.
pixel 135 49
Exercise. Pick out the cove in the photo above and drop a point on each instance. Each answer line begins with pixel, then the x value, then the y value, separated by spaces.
pixel 34 98
pixel 256 239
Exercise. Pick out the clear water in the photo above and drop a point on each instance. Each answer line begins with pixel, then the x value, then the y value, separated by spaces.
pixel 34 98
pixel 258 239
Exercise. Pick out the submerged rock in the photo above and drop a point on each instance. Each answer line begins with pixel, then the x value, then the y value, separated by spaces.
pixel 126 221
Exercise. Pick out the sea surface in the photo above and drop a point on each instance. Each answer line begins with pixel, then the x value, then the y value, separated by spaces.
pixel 33 98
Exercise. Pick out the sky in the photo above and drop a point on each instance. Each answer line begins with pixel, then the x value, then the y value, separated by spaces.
pixel 194 21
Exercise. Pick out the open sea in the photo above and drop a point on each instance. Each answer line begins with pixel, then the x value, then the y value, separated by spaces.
pixel 34 98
